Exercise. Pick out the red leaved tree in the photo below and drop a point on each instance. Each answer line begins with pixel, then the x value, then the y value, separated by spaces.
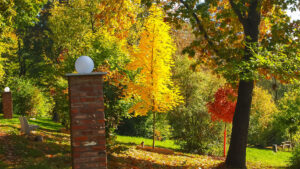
pixel 222 109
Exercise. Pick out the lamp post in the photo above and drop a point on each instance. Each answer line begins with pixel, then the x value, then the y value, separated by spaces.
pixel 7 104
pixel 87 116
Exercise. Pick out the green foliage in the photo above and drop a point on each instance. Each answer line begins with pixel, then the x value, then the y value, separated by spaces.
pixel 134 126
pixel 28 99
pixel 295 159
pixel 191 123
pixel 289 114
pixel 262 112
pixel 115 110
pixel 162 127
pixel 60 97
pixel 142 126
pixel 76 34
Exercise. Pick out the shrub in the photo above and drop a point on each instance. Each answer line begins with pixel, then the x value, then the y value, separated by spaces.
pixel 61 109
pixel 28 99
pixel 295 159
pixel 261 116
pixel 191 124
pixel 288 118
pixel 142 126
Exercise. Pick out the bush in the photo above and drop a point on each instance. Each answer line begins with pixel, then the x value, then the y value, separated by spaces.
pixel 191 124
pixel 295 159
pixel 28 99
pixel 288 118
pixel 142 126
pixel 61 109
pixel 262 112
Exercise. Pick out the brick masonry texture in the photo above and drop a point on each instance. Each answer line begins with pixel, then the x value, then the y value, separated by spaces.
pixel 87 122
pixel 7 105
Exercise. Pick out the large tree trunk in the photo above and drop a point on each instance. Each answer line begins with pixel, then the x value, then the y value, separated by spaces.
pixel 236 157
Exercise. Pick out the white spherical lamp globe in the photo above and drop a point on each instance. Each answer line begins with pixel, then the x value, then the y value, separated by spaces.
pixel 84 64
pixel 6 89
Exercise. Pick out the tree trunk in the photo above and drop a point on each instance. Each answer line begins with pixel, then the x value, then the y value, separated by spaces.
pixel 236 156
pixel 55 116
pixel 20 58
pixel 153 145
pixel 225 141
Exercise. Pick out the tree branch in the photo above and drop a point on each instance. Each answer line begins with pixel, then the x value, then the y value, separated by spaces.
pixel 201 27
pixel 237 11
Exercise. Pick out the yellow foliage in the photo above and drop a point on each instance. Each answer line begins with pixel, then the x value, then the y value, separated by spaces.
pixel 263 107
pixel 8 43
pixel 118 15
pixel 153 87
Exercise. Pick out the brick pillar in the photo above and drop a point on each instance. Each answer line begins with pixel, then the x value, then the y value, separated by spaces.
pixel 87 121
pixel 7 105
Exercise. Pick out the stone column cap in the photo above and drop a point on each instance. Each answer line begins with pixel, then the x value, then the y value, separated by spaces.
pixel 86 74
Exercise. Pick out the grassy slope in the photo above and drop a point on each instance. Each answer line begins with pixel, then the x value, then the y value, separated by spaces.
pixel 267 157
pixel 19 152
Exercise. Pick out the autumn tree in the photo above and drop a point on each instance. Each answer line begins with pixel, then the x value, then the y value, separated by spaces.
pixel 7 35
pixel 16 16
pixel 241 40
pixel 99 29
pixel 222 108
pixel 153 88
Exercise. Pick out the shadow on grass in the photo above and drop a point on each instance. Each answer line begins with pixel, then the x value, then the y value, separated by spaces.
pixel 129 162
pixel 249 165
pixel 46 125
pixel 20 152
pixel 11 126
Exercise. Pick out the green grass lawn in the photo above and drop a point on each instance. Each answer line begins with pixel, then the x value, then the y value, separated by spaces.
pixel 11 125
pixel 267 157
pixel 170 144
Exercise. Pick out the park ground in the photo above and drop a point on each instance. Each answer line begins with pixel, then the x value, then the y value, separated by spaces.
pixel 20 152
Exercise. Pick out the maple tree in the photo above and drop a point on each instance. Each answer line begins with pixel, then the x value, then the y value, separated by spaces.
pixel 224 105
pixel 153 88
pixel 242 40
pixel 222 109
pixel 99 29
